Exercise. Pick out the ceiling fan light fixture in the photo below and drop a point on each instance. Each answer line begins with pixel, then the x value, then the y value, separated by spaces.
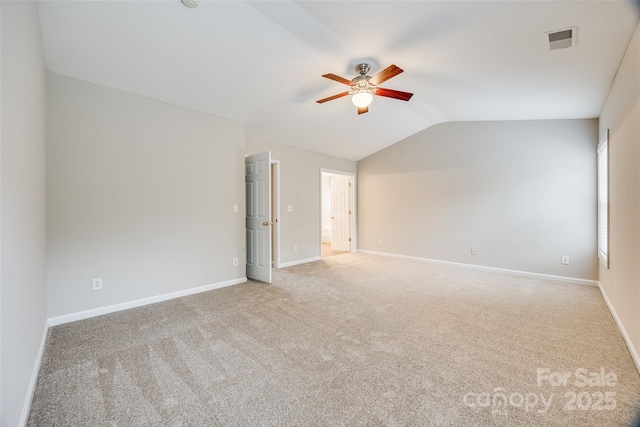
pixel 362 99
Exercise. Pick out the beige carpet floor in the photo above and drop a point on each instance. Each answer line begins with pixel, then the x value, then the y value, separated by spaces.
pixel 350 340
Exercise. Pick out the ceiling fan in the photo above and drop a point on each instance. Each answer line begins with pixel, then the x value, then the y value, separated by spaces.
pixel 363 87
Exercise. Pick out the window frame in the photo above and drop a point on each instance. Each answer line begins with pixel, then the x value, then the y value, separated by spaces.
pixel 604 234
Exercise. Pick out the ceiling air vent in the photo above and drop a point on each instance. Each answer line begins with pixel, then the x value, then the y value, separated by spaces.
pixel 562 39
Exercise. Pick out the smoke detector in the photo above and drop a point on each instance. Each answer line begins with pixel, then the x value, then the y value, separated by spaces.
pixel 190 3
pixel 562 39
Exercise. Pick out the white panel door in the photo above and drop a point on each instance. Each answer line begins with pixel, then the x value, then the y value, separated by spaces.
pixel 340 213
pixel 258 194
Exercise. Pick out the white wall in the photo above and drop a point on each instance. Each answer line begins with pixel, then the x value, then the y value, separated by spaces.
pixel 140 193
pixel 621 114
pixel 522 192
pixel 22 214
pixel 300 187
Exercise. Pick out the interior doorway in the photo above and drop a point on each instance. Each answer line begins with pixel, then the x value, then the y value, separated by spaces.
pixel 337 216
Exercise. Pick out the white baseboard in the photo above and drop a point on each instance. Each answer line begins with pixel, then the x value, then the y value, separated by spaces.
pixel 623 331
pixel 300 261
pixel 72 317
pixel 494 269
pixel 26 408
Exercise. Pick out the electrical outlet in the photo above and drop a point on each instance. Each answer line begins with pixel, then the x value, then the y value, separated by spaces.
pixel 474 251
pixel 97 283
pixel 379 241
pixel 565 260
pixel 289 208
pixel 295 248
pixel 235 262
pixel 235 208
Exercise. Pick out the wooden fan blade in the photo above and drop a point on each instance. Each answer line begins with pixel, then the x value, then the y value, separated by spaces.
pixel 331 98
pixel 386 74
pixel 395 94
pixel 338 79
pixel 362 110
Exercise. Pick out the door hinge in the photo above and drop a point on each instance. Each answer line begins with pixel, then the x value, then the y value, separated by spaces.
pixel 349 184
pixel 349 238
pixel 349 212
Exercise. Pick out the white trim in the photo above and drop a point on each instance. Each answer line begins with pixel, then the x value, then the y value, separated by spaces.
pixel 1 127
pixel 26 408
pixel 494 269
pixel 278 218
pixel 72 317
pixel 623 331
pixel 300 261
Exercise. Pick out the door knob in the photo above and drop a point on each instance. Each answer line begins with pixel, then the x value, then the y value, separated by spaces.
pixel 267 223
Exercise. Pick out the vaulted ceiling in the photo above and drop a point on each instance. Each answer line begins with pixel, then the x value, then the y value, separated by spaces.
pixel 260 62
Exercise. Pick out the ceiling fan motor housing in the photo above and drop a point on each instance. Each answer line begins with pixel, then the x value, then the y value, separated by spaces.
pixel 361 82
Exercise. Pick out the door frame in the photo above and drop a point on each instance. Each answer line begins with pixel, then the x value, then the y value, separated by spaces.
pixel 275 208
pixel 354 209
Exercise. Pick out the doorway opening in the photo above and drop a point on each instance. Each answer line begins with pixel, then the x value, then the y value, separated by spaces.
pixel 337 212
